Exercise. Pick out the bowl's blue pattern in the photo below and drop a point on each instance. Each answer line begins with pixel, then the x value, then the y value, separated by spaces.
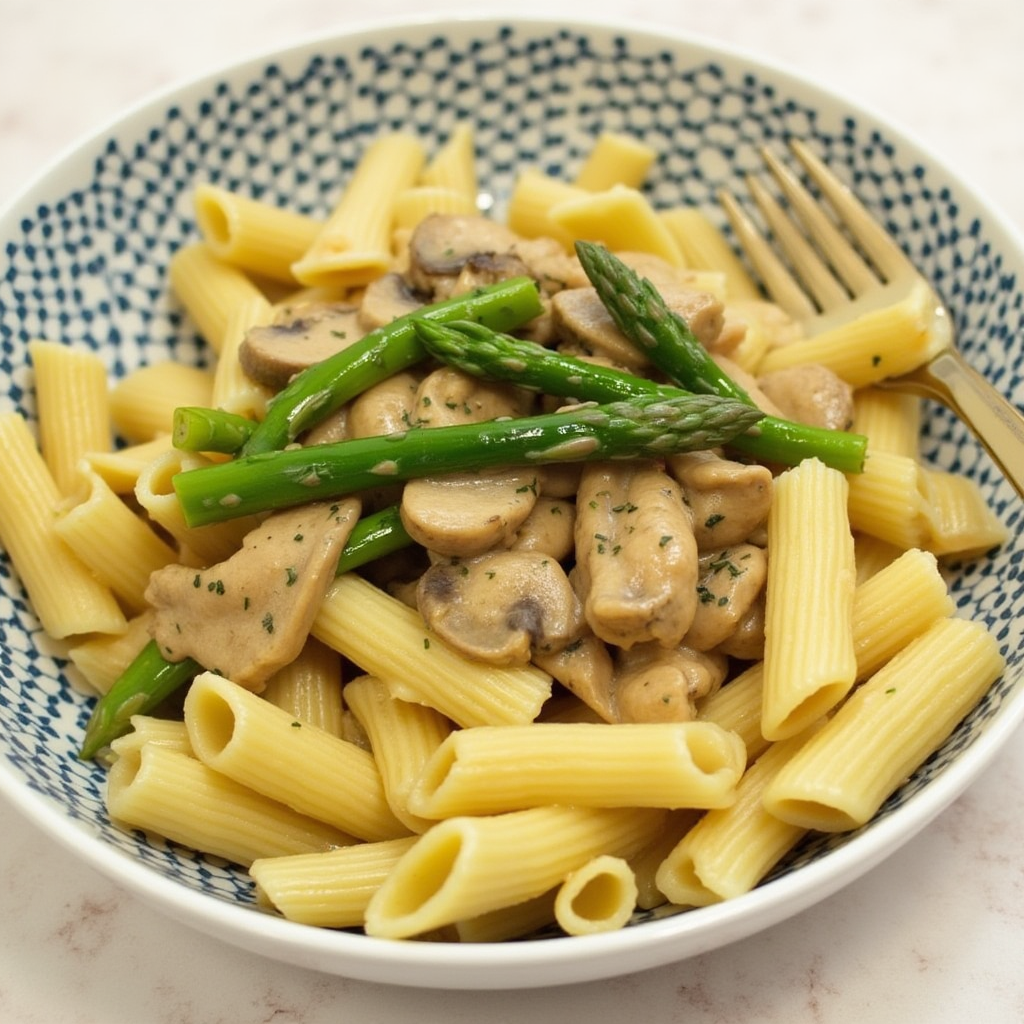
pixel 84 264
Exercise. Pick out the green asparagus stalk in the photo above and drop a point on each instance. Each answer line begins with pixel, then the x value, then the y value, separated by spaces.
pixel 151 678
pixel 481 352
pixel 323 388
pixel 642 316
pixel 143 686
pixel 648 426
pixel 196 429
pixel 374 536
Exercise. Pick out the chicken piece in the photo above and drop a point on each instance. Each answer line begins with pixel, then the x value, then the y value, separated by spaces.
pixel 728 500
pixel 731 580
pixel 636 557
pixel 657 684
pixel 811 394
pixel 250 615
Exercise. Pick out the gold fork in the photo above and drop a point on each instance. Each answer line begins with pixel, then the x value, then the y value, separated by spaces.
pixel 829 283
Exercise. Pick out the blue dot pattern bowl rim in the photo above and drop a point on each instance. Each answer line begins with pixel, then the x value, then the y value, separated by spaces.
pixel 84 260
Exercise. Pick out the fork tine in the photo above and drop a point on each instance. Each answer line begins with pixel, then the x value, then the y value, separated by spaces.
pixel 777 280
pixel 826 291
pixel 887 256
pixel 845 260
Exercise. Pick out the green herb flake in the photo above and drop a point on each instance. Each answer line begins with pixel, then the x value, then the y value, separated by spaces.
pixel 426 643
pixel 268 622
pixel 292 575
pixel 666 538
pixel 713 520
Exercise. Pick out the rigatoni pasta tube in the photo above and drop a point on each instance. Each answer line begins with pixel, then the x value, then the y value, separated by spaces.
pixel 809 659
pixel 466 866
pixel 65 596
pixel 142 403
pixel 403 737
pixel 453 166
pixel 598 897
pixel 487 770
pixel 309 688
pixel 119 546
pixel 209 289
pixel 354 244
pixel 330 889
pixel 162 790
pixel 886 729
pixel 704 247
pixel 615 159
pixel 256 236
pixel 883 624
pixel 620 218
pixel 877 344
pixel 102 658
pixel 73 404
pixel 729 851
pixel 261 746
pixel 386 638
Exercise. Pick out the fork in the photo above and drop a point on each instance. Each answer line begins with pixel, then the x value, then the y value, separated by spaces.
pixel 835 274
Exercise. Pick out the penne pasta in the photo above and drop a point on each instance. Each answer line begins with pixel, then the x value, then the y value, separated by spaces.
pixel 162 790
pixel 117 545
pixel 453 167
pixel 102 658
pixel 704 247
pixel 466 866
pixel 209 289
pixel 809 658
pixel 387 639
pixel 310 688
pixel 403 737
pixel 330 889
pixel 615 159
pixel 730 850
pixel 621 218
pixel 257 237
pixel 598 897
pixel 142 403
pixel 880 343
pixel 72 405
pixel 886 730
pixel 66 597
pixel 503 768
pixel 354 244
pixel 263 748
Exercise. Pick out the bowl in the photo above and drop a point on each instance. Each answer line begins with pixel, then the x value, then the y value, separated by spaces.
pixel 86 249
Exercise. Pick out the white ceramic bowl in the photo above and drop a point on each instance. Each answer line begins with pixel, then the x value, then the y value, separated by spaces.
pixel 85 250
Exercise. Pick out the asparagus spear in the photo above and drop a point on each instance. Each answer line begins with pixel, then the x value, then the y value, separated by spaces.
pixel 151 678
pixel 143 686
pixel 321 389
pixel 375 535
pixel 196 429
pixel 646 427
pixel 481 352
pixel 642 316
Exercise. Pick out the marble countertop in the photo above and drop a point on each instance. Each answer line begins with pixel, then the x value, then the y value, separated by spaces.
pixel 934 935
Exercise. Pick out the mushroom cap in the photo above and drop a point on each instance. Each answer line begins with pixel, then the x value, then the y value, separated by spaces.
pixel 272 354
pixel 466 514
pixel 501 607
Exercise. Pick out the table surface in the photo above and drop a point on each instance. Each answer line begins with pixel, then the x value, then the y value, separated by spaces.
pixel 935 934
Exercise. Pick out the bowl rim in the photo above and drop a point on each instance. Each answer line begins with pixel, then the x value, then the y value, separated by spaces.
pixel 531 962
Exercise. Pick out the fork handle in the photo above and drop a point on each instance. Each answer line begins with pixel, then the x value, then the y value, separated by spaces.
pixel 997 423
